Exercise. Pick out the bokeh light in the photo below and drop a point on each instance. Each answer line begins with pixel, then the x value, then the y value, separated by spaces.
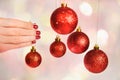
pixel 86 8
pixel 102 37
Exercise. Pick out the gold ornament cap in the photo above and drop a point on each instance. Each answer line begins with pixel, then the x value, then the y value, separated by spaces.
pixel 57 38
pixel 63 5
pixel 96 47
pixel 78 29
pixel 33 49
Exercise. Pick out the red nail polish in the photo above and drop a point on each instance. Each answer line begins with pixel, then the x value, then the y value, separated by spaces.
pixel 37 37
pixel 33 42
pixel 35 26
pixel 38 32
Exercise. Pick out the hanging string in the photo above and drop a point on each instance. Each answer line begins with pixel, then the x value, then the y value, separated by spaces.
pixel 79 23
pixel 98 19
pixel 63 1
pixel 56 3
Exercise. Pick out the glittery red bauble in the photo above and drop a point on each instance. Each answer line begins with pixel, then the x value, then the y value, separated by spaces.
pixel 96 60
pixel 64 20
pixel 33 58
pixel 78 42
pixel 57 48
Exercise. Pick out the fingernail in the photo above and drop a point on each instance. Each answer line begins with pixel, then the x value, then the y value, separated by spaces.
pixel 38 32
pixel 33 42
pixel 37 37
pixel 35 26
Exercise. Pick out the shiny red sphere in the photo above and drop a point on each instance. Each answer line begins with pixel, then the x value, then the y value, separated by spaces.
pixel 33 59
pixel 78 42
pixel 57 49
pixel 96 61
pixel 64 20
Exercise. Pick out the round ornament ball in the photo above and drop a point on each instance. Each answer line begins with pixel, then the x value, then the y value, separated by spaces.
pixel 96 60
pixel 33 59
pixel 64 20
pixel 78 42
pixel 57 48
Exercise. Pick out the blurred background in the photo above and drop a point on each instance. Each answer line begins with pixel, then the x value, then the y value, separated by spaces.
pixel 70 66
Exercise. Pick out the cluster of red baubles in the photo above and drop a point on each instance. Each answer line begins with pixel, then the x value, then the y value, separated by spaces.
pixel 64 21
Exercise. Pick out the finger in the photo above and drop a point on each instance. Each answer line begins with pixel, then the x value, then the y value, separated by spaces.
pixel 5 47
pixel 8 22
pixel 16 39
pixel 17 31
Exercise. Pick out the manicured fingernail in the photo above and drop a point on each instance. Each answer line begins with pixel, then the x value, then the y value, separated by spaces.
pixel 37 32
pixel 35 26
pixel 33 42
pixel 37 37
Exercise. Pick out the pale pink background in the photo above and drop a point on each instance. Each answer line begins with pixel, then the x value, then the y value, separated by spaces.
pixel 70 66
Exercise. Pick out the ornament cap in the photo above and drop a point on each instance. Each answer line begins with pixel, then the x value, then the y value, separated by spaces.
pixel 78 29
pixel 96 47
pixel 63 5
pixel 57 38
pixel 33 49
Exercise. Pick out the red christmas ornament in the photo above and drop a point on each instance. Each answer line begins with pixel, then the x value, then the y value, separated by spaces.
pixel 64 20
pixel 57 48
pixel 33 58
pixel 78 42
pixel 96 60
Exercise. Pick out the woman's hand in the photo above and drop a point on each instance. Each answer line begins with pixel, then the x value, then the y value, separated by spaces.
pixel 16 33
